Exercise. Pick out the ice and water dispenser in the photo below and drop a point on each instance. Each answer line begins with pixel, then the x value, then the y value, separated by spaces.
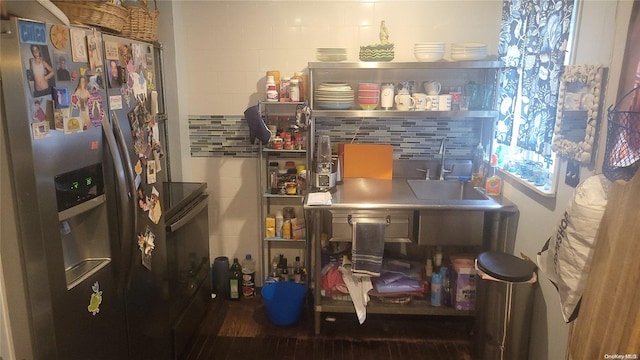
pixel 84 232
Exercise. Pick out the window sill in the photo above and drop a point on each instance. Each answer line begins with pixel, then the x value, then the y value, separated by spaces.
pixel 547 190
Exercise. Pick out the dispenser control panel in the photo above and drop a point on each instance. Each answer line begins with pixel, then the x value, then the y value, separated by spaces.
pixel 78 186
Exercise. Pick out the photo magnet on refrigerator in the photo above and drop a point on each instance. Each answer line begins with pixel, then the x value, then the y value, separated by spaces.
pixel 96 299
pixel 146 244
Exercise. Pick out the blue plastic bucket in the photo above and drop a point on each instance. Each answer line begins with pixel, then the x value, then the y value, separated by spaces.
pixel 283 301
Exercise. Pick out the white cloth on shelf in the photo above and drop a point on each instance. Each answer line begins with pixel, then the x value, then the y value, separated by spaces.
pixel 359 287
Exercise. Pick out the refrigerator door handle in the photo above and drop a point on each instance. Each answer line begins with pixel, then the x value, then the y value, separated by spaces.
pixel 126 159
pixel 127 217
pixel 128 168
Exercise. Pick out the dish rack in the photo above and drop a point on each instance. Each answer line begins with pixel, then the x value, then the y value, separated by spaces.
pixel 622 152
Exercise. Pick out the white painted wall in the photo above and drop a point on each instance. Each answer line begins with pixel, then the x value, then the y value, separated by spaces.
pixel 225 48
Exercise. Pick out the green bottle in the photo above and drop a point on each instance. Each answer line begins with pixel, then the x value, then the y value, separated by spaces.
pixel 235 280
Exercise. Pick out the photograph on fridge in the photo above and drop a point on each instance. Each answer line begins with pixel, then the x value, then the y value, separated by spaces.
pixel 62 66
pixel 39 114
pixel 40 72
pixel 94 46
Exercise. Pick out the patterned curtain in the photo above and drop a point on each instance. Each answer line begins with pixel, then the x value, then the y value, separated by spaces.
pixel 533 41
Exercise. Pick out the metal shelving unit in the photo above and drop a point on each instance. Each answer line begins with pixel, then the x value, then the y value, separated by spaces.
pixel 480 72
pixel 270 202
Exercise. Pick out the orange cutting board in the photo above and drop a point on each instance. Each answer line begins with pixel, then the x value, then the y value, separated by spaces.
pixel 368 161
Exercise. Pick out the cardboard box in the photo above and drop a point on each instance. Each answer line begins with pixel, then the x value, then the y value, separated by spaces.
pixel 465 282
pixel 465 286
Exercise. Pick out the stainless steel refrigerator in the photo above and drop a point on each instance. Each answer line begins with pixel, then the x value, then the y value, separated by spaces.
pixel 103 257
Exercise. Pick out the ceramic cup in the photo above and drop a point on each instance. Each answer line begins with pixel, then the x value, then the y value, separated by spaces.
pixel 444 102
pixel 404 102
pixel 420 100
pixel 432 87
pixel 386 96
pixel 432 102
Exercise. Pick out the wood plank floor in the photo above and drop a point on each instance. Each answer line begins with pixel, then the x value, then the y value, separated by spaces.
pixel 241 330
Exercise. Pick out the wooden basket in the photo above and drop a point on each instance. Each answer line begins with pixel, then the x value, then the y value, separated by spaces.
pixel 142 23
pixel 101 14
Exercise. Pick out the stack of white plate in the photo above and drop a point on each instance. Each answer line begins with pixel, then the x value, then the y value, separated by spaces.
pixel 468 51
pixel 331 54
pixel 429 51
pixel 334 96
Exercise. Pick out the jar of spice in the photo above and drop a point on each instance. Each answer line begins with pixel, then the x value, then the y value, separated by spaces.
pixel 285 83
pixel 277 143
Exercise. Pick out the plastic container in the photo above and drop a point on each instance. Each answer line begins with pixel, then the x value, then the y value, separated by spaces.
pixel 283 301
pixel 436 289
pixel 494 183
pixel 271 90
pixel 220 276
pixel 294 90
pixel 248 277
pixel 301 85
pixel 279 223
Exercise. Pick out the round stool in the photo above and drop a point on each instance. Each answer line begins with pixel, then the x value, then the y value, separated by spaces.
pixel 510 270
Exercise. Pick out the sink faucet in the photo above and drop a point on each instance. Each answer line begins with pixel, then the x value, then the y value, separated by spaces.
pixel 427 173
pixel 443 149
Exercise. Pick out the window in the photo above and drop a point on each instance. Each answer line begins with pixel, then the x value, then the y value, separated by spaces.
pixel 533 47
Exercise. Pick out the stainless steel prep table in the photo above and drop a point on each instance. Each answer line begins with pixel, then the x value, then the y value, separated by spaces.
pixel 395 194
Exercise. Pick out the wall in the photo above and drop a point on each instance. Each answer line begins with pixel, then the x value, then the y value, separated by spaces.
pixel 223 49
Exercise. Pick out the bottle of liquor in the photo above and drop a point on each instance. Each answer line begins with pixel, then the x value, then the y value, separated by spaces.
pixel 477 172
pixel 235 280
pixel 297 270
pixel 284 275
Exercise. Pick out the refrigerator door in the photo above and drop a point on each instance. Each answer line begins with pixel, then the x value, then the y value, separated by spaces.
pixel 67 235
pixel 131 72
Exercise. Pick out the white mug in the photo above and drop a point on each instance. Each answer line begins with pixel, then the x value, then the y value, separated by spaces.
pixel 444 102
pixel 432 87
pixel 386 96
pixel 404 102
pixel 432 102
pixel 420 100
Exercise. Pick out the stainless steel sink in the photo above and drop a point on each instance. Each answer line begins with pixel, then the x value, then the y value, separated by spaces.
pixel 450 191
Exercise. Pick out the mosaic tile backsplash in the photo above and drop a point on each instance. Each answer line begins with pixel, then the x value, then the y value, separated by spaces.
pixel 412 138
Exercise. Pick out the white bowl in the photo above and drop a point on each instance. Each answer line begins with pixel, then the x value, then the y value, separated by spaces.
pixel 433 56
pixel 468 45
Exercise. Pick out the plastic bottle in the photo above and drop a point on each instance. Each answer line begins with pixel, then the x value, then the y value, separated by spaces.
pixel 299 75
pixel 279 223
pixel 294 90
pixel 445 293
pixel 494 183
pixel 248 277
pixel 272 92
pixel 436 288
pixel 273 274
pixel 235 280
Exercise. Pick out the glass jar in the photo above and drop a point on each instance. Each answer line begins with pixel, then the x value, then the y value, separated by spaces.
pixel 294 90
